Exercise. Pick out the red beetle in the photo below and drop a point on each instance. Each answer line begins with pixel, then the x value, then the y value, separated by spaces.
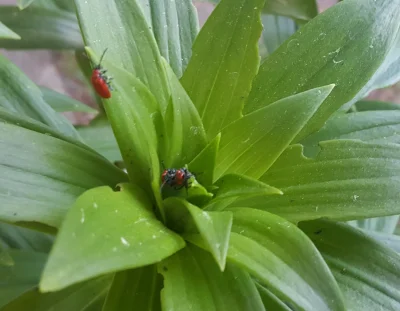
pixel 100 81
pixel 176 178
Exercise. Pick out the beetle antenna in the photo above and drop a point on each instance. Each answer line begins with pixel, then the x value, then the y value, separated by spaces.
pixel 102 55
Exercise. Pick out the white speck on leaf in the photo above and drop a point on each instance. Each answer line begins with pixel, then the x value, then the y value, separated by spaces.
pixel 125 242
pixel 154 236
pixel 95 205
pixel 355 197
pixel 82 216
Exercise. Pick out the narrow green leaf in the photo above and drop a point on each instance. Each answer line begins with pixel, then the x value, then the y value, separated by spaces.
pixel 5 258
pixel 121 27
pixel 7 33
pixel 130 111
pixel 183 126
pixel 280 256
pixel 250 145
pixel 99 135
pixel 345 181
pixel 192 281
pixel 62 103
pixel 233 185
pixel 22 276
pixel 20 95
pixel 106 231
pixel 270 301
pixel 369 126
pixel 41 28
pixel 203 165
pixel 175 26
pixel 367 272
pixel 276 30
pixel 213 227
pixel 137 289
pixel 324 51
pixel 46 174
pixel 367 105
pixel 79 297
pixel 225 60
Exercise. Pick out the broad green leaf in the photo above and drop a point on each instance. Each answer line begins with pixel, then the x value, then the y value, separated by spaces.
pixel 280 256
pixel 270 301
pixel 121 27
pixel 381 224
pixel 43 175
pixel 41 28
pixel 99 135
pixel 214 227
pixel 367 272
pixel 203 165
pixel 15 237
pixel 369 126
pixel 183 127
pixel 367 105
pixel 62 103
pixel 175 26
pixel 104 232
pixel 20 95
pixel 324 51
pixel 275 31
pixel 22 276
pixel 225 60
pixel 5 258
pixel 137 289
pixel 22 4
pixel 390 240
pixel 7 33
pixel 79 297
pixel 233 185
pixel 192 281
pixel 250 145
pixel 130 111
pixel 347 180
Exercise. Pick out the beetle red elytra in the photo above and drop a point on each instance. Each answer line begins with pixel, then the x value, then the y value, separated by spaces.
pixel 100 81
pixel 176 178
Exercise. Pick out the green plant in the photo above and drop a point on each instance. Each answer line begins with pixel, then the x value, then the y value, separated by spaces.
pixel 280 163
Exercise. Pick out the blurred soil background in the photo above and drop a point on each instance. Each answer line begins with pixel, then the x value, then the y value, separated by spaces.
pixel 58 70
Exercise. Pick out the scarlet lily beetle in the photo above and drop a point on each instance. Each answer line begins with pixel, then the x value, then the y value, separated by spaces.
pixel 100 81
pixel 177 178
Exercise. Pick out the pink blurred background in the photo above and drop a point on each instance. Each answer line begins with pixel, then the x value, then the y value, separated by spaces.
pixel 57 70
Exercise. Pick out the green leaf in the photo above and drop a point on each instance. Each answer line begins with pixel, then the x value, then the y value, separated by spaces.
pixel 62 103
pixel 7 33
pixel 137 289
pixel 214 227
pixel 121 27
pixel 104 232
pixel 324 51
pixel 297 9
pixel 41 28
pixel 20 95
pixel 203 165
pixel 192 281
pixel 5 258
pixel 367 105
pixel 22 276
pixel 225 60
pixel 183 127
pixel 43 175
pixel 175 26
pixel 280 256
pixel 79 297
pixel 367 272
pixel 99 135
pixel 15 237
pixel 345 181
pixel 233 185
pixel 22 4
pixel 369 126
pixel 133 127
pixel 250 145
pixel 276 30
pixel 270 301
